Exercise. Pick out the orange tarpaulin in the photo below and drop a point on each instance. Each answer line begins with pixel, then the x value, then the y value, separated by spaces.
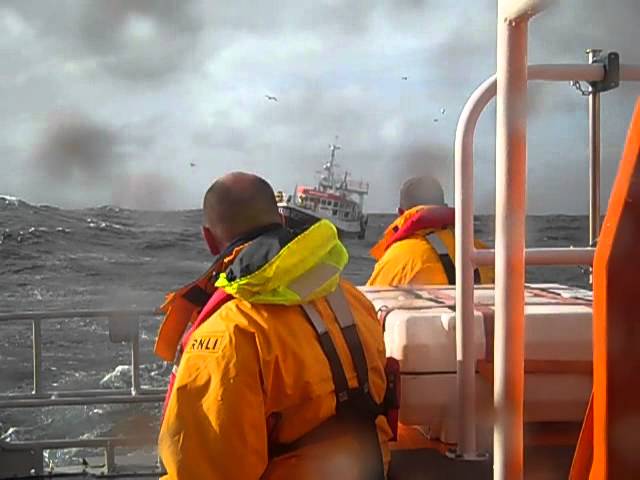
pixel 614 442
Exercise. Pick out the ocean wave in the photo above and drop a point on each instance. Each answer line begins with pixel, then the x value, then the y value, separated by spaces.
pixel 11 201
pixel 32 267
pixel 164 243
pixel 17 202
pixel 102 225
pixel 16 434
pixel 111 208
pixel 30 235
pixel 120 377
pixel 37 230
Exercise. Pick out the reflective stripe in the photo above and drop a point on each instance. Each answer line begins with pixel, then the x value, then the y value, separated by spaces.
pixel 447 262
pixel 312 280
pixel 445 259
pixel 437 244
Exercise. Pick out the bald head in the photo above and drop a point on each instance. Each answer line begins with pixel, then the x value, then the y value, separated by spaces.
pixel 238 203
pixel 424 190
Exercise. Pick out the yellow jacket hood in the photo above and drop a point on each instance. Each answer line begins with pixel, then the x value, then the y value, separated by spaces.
pixel 287 268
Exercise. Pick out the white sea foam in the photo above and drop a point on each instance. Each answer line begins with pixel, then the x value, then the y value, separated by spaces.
pixel 94 223
pixel 9 200
pixel 119 378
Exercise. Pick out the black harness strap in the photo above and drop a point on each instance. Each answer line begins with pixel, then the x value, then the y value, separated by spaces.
pixel 197 296
pixel 342 311
pixel 477 279
pixel 355 408
pixel 446 261
pixel 329 349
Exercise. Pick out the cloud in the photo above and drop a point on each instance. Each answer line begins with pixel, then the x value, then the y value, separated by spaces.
pixel 141 39
pixel 156 84
pixel 13 24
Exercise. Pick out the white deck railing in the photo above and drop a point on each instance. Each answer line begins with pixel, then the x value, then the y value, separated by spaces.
pixel 510 254
pixel 27 457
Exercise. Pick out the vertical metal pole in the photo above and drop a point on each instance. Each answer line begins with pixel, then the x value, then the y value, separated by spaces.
pixel 37 356
pixel 135 360
pixel 511 171
pixel 109 458
pixel 594 156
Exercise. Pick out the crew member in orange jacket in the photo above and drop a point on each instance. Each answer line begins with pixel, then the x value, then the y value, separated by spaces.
pixel 269 383
pixel 418 248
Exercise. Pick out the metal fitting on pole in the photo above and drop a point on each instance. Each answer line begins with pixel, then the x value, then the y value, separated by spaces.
pixel 594 154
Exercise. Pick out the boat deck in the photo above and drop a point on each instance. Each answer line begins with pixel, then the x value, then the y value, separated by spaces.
pixel 541 463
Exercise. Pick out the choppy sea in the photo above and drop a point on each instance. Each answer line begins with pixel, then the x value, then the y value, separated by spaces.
pixel 114 258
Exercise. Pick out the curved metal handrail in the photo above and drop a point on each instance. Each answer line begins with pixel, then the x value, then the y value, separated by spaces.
pixel 467 257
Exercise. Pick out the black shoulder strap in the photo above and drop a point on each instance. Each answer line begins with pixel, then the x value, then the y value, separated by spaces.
pixel 477 279
pixel 329 350
pixel 356 406
pixel 445 259
pixel 342 311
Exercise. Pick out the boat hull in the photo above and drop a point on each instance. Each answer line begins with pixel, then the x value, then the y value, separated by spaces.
pixel 297 218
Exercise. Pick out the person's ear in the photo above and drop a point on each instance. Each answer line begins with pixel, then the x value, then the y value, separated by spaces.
pixel 211 240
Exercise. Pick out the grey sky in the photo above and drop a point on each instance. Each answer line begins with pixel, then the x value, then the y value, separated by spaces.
pixel 109 102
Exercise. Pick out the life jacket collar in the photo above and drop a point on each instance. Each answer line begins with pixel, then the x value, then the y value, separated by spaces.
pixel 285 267
pixel 414 221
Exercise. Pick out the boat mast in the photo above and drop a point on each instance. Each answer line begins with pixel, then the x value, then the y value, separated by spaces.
pixel 330 166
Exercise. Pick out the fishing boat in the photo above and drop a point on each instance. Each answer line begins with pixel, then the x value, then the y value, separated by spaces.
pixel 336 198
pixel 507 382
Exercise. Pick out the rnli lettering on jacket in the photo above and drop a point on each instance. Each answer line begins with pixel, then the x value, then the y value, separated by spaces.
pixel 205 344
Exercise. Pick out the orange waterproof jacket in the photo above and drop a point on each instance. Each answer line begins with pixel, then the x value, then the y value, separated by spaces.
pixel 254 373
pixel 410 259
